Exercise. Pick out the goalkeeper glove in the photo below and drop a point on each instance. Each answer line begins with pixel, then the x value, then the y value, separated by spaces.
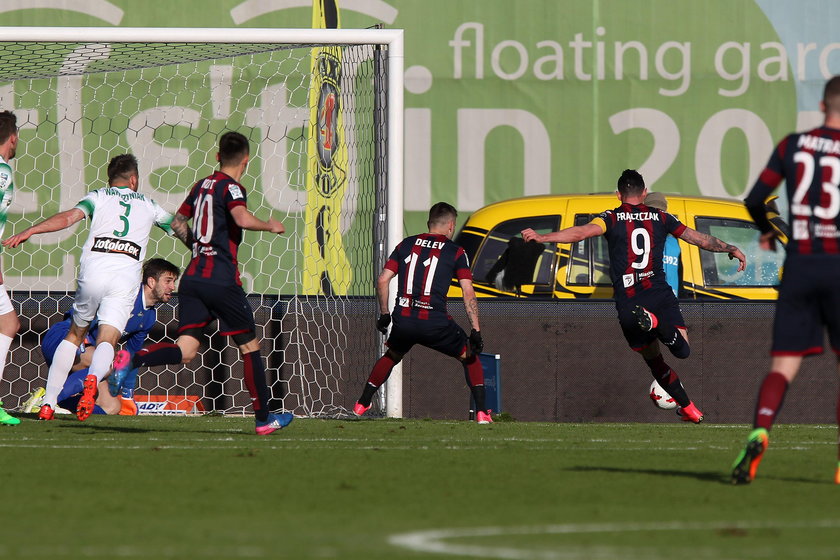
pixel 476 344
pixel 383 322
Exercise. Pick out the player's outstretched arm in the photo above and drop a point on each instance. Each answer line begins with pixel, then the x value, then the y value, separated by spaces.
pixel 568 235
pixel 244 219
pixel 712 243
pixel 57 222
pixel 181 230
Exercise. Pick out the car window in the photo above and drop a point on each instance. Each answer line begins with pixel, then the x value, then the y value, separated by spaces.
pixel 719 270
pixel 497 241
pixel 589 260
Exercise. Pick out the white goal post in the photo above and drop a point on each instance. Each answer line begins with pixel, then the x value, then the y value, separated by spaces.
pixel 323 110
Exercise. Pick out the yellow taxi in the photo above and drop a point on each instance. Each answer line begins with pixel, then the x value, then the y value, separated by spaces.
pixel 581 270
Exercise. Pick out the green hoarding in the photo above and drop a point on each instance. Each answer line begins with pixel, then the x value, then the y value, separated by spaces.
pixel 505 98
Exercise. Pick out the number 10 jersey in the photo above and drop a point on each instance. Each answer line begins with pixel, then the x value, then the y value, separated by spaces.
pixel 217 236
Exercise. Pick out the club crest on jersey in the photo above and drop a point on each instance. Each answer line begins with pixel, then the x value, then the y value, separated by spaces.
pixel 117 246
pixel 235 192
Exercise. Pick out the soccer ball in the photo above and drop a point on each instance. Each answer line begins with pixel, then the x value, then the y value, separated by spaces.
pixel 660 397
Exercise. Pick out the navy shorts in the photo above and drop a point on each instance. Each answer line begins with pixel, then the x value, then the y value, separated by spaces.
pixel 660 301
pixel 199 303
pixel 809 304
pixel 444 336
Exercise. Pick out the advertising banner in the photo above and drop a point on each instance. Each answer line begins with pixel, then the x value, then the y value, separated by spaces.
pixel 505 99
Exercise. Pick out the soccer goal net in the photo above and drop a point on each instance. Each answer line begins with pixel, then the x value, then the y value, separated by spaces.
pixel 322 110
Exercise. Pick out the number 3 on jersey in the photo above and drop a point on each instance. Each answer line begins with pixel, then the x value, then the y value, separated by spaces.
pixel 124 219
pixel 430 263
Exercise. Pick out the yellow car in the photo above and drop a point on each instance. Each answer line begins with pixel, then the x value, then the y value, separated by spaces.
pixel 581 270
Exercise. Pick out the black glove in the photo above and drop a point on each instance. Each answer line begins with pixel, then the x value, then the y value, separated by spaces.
pixel 383 322
pixel 476 344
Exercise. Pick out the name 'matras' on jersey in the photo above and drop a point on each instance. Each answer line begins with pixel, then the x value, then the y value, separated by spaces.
pixel 809 163
pixel 636 236
pixel 425 265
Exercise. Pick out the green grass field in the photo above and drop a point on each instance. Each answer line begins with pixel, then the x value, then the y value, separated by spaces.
pixel 206 487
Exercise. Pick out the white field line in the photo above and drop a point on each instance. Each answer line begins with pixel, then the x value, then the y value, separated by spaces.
pixel 434 541
pixel 360 445
pixel 71 550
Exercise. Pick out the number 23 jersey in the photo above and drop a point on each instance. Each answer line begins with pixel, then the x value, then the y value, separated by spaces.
pixel 809 163
pixel 121 221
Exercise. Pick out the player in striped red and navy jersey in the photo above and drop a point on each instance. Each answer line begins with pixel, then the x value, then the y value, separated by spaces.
pixel 210 288
pixel 809 299
pixel 648 311
pixel 424 265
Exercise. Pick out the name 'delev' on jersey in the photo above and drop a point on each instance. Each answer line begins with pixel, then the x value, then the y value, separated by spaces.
pixel 425 265
pixel 121 221
pixel 217 237
pixel 636 236
pixel 809 163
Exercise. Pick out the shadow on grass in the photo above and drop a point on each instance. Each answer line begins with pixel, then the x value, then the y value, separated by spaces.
pixel 706 476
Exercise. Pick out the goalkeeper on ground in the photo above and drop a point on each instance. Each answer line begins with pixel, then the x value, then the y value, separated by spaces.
pixel 159 277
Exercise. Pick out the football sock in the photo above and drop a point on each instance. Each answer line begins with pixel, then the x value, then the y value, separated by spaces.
pixel 668 379
pixel 5 343
pixel 675 342
pixel 474 374
pixel 771 395
pixel 256 384
pixel 367 394
pixel 62 361
pixel 479 396
pixel 378 375
pixel 473 371
pixel 161 354
pixel 100 363
pixel 74 385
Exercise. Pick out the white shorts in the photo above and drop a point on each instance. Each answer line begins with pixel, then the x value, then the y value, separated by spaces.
pixel 108 299
pixel 5 302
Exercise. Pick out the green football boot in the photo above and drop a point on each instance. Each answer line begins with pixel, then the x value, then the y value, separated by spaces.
pixel 6 419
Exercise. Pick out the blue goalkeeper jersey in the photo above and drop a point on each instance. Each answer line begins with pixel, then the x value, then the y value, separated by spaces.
pixel 140 323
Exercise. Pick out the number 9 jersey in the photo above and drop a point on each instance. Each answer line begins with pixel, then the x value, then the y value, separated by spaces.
pixel 636 235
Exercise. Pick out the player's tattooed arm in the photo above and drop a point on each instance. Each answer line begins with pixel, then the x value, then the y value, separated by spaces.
pixel 470 302
pixel 708 242
pixel 182 230
pixel 712 243
pixel 471 306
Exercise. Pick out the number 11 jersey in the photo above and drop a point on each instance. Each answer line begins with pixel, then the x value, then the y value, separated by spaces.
pixel 425 265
